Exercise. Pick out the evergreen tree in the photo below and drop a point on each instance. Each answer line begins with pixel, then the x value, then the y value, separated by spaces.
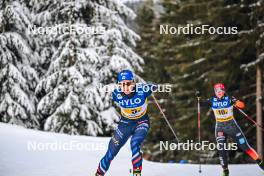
pixel 196 62
pixel 257 31
pixel 70 98
pixel 18 59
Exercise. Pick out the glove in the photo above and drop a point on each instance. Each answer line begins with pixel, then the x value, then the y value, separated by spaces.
pixel 197 94
pixel 234 99
pixel 240 104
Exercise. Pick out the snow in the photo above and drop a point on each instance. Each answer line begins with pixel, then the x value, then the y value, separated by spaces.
pixel 253 63
pixel 76 62
pixel 199 60
pixel 17 59
pixel 17 160
pixel 246 31
pixel 50 73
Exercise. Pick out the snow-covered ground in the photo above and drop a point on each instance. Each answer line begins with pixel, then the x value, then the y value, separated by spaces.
pixel 18 159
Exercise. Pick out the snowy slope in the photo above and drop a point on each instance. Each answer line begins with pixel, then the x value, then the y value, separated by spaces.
pixel 17 160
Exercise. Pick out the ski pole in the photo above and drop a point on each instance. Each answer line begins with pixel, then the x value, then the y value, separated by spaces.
pixel 199 126
pixel 161 111
pixel 166 119
pixel 250 118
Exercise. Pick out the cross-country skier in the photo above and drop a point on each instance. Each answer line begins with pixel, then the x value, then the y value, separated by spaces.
pixel 134 122
pixel 226 126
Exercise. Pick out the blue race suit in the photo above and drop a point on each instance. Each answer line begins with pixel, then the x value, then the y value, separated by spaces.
pixel 134 123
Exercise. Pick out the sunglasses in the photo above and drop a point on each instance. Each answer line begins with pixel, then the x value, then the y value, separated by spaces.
pixel 219 90
pixel 125 84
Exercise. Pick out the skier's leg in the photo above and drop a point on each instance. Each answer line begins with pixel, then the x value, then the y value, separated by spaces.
pixel 121 135
pixel 137 139
pixel 221 138
pixel 242 143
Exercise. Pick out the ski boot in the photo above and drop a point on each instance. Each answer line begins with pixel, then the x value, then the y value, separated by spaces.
pixel 136 172
pixel 225 172
pixel 260 163
pixel 98 174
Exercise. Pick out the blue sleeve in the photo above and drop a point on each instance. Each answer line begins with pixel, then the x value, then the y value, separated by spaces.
pixel 114 96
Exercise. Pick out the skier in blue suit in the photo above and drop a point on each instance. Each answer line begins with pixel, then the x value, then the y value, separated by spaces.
pixel 134 122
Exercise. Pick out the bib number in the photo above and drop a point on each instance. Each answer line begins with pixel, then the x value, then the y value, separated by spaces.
pixel 222 112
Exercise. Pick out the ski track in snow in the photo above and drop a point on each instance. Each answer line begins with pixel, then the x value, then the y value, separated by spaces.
pixel 17 160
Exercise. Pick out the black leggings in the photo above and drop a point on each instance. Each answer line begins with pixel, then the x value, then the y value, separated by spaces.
pixel 231 129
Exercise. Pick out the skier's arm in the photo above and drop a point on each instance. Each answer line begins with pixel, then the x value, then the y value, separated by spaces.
pixel 114 101
pixel 205 103
pixel 114 98
pixel 237 103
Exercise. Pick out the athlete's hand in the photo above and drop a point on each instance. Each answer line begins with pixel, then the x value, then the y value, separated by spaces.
pixel 240 104
pixel 197 93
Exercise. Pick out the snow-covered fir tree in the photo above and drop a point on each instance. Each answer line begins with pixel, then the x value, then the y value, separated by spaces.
pixel 18 78
pixel 256 31
pixel 70 98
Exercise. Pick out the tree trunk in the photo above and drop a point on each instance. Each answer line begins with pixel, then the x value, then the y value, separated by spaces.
pixel 259 109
